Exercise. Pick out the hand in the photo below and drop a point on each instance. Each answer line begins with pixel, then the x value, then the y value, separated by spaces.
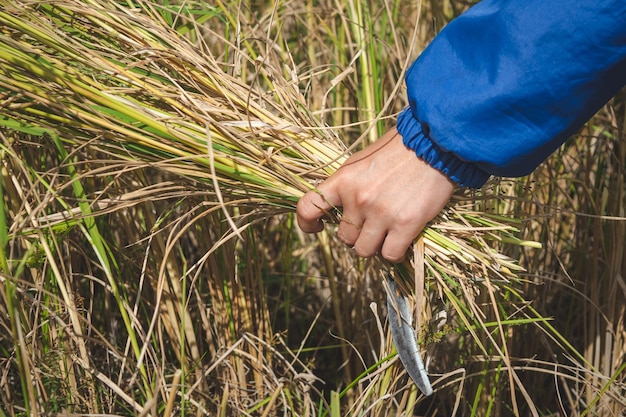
pixel 387 194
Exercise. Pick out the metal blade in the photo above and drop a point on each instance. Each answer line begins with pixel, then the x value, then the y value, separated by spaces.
pixel 403 334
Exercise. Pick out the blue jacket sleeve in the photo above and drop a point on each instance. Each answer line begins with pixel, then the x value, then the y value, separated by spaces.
pixel 507 82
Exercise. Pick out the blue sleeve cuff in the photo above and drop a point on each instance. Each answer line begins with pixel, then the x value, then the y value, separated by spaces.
pixel 466 174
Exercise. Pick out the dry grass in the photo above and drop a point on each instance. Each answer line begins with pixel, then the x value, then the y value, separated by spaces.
pixel 150 263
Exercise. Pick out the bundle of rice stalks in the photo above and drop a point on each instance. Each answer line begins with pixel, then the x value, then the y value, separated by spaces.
pixel 103 71
pixel 118 82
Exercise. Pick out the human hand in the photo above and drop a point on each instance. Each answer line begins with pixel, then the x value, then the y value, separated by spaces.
pixel 387 194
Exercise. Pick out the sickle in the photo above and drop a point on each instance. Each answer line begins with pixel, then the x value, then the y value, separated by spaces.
pixel 403 335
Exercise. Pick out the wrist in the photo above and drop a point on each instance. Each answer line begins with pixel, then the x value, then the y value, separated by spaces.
pixel 463 173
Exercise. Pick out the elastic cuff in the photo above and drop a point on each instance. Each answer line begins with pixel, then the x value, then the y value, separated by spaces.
pixel 466 174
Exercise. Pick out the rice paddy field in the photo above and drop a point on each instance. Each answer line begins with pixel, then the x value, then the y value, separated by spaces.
pixel 152 154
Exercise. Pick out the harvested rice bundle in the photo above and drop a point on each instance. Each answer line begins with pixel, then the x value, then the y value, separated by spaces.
pixel 121 81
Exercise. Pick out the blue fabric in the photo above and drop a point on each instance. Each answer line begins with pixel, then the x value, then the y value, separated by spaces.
pixel 507 82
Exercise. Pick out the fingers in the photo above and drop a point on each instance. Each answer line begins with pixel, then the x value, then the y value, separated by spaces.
pixel 370 240
pixel 349 229
pixel 313 206
pixel 394 249
pixel 366 238
pixel 397 242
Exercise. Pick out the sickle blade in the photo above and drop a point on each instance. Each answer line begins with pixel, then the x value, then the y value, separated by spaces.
pixel 403 335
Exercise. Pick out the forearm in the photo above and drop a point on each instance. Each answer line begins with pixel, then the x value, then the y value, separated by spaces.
pixel 505 84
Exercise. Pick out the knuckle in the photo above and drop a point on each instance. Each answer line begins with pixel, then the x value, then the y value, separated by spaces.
pixel 404 220
pixel 366 198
